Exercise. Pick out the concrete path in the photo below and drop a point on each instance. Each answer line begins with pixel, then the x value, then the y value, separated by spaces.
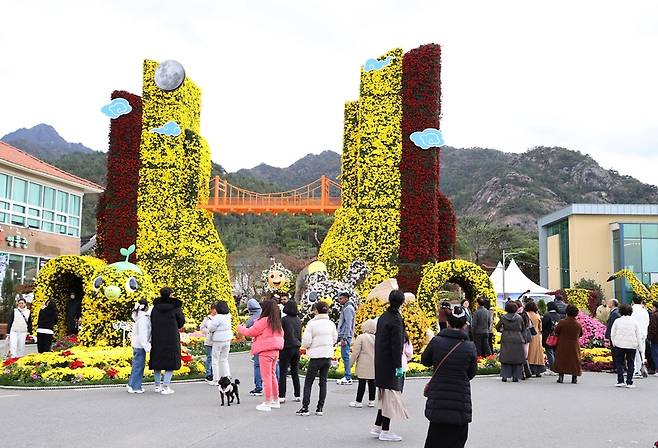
pixel 537 413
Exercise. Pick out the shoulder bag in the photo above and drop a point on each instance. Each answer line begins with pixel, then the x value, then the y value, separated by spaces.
pixel 552 339
pixel 427 386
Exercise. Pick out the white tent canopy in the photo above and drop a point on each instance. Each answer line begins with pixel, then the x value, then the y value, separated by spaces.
pixel 516 283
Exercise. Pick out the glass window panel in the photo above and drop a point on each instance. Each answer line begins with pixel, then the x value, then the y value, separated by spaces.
pixel 4 217
pixel 15 267
pixel 631 230
pixel 48 226
pixel 5 186
pixel 34 194
pixel 633 254
pixel 49 216
pixel 18 208
pixel 650 255
pixel 75 205
pixel 73 231
pixel 74 222
pixel 17 220
pixel 61 218
pixel 34 212
pixel 61 229
pixel 30 269
pixel 20 190
pixel 649 230
pixel 33 223
pixel 62 202
pixel 49 198
pixel 4 205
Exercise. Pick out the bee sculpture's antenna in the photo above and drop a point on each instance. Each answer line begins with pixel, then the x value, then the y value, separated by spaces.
pixel 127 252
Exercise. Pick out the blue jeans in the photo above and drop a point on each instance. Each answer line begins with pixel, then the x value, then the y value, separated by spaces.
pixel 550 356
pixel 258 379
pixel 137 370
pixel 157 375
pixel 654 353
pixel 345 354
pixel 208 364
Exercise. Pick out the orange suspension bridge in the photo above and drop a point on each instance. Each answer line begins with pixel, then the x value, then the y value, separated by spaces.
pixel 320 196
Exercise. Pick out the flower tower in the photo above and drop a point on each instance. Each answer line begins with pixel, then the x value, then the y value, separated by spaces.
pixel 393 215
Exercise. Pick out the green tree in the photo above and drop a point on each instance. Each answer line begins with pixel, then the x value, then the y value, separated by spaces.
pixel 587 283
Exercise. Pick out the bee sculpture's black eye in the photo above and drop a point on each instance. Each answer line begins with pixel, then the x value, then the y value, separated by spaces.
pixel 98 282
pixel 132 285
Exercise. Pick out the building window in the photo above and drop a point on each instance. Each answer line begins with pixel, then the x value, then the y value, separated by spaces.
pixel 562 228
pixel 23 269
pixel 34 206
pixel 635 248
pixel 15 268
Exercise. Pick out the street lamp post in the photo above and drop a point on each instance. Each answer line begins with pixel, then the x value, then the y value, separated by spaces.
pixel 505 255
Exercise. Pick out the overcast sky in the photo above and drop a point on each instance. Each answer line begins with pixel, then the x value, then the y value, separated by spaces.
pixel 275 75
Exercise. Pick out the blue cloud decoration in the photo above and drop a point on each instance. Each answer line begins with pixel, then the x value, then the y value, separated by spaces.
pixel 169 128
pixel 429 138
pixel 117 107
pixel 374 64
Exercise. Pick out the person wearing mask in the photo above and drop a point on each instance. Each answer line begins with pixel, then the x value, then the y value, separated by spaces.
pixel 345 333
pixel 627 338
pixel 535 351
pixel 267 341
pixel 561 306
pixel 492 323
pixel 453 361
pixel 641 316
pixel 444 310
pixel 254 310
pixel 289 356
pixel 567 355
pixel 19 326
pixel 166 320
pixel 512 354
pixel 222 335
pixel 480 327
pixel 613 304
pixel 140 340
pixel 45 326
pixel 73 313
pixel 363 356
pixel 208 343
pixel 652 335
pixel 466 305
pixel 527 337
pixel 319 338
pixel 389 345
pixel 548 324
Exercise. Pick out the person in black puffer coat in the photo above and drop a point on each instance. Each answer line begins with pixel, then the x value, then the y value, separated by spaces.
pixel 166 318
pixel 448 406
pixel 45 326
pixel 289 356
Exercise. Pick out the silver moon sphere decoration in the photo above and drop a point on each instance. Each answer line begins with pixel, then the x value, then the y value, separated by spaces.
pixel 169 75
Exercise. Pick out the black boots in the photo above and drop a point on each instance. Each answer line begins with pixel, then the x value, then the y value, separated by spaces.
pixel 574 379
pixel 560 378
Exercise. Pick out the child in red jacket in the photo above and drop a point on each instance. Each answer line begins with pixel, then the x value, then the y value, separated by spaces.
pixel 267 340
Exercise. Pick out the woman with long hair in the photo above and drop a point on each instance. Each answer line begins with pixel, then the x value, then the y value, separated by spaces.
pixel 166 320
pixel 140 340
pixel 267 341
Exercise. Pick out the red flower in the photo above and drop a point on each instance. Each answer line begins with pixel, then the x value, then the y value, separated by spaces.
pixel 112 372
pixel 9 361
pixel 186 357
pixel 77 364
pixel 66 353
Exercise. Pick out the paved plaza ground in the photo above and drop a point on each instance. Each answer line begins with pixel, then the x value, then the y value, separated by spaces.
pixel 537 413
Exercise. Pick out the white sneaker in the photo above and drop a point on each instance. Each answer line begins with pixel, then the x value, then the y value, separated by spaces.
pixel 655 374
pixel 620 385
pixel 166 390
pixel 264 407
pixel 389 436
pixel 355 404
pixel 273 404
pixel 297 399
pixel 131 390
pixel 157 389
pixel 371 404
pixel 282 400
pixel 139 391
pixel 630 386
pixel 344 382
pixel 375 431
pixel 637 375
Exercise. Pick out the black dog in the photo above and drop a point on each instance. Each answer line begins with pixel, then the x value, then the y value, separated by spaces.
pixel 229 389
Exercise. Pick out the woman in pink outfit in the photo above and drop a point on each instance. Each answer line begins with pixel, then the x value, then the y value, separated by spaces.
pixel 267 340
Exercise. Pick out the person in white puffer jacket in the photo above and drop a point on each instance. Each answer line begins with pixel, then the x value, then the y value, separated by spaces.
pixel 626 337
pixel 641 316
pixel 140 341
pixel 318 339
pixel 222 335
